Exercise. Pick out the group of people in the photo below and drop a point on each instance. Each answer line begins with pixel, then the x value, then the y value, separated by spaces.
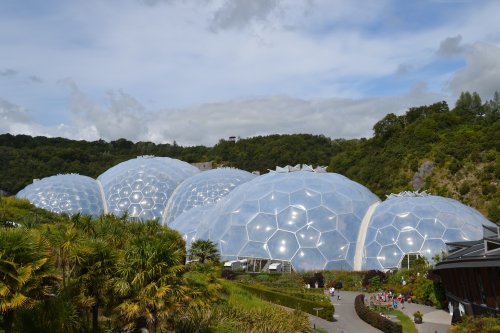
pixel 387 297
pixel 331 291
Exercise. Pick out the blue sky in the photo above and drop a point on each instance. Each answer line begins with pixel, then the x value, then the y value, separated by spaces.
pixel 197 71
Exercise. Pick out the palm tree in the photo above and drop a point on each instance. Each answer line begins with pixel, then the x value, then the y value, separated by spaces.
pixel 94 280
pixel 25 272
pixel 150 278
pixel 202 250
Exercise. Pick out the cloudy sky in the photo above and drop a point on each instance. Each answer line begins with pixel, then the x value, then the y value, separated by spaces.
pixel 196 71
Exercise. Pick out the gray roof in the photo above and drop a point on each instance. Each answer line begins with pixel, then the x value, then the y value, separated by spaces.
pixel 481 253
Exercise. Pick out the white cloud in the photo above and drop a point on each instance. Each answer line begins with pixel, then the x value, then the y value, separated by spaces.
pixel 217 68
pixel 481 73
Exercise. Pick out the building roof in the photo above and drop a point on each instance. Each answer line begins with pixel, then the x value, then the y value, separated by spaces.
pixel 481 253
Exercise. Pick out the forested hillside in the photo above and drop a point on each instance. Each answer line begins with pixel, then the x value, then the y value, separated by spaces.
pixel 453 153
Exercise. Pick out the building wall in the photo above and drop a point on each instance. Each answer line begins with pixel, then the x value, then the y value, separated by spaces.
pixel 478 286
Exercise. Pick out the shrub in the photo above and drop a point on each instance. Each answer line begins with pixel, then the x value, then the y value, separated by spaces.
pixel 373 318
pixel 281 298
pixel 228 274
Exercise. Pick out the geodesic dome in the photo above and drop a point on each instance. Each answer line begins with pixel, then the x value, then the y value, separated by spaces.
pixel 204 188
pixel 187 223
pixel 142 186
pixel 70 194
pixel 310 219
pixel 417 225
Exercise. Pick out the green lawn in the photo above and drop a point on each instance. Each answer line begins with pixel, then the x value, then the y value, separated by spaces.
pixel 406 322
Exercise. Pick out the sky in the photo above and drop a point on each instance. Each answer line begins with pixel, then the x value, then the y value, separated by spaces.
pixel 197 71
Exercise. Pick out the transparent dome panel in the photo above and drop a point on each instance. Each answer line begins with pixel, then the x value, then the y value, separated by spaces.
pixel 308 259
pixel 255 250
pixel 274 202
pixel 390 256
pixel 233 240
pixel 282 245
pixel 322 219
pixel 261 227
pixel 410 241
pixel 333 245
pixel 308 236
pixel 292 218
pixel 387 235
pixel 431 228
pixel 431 247
pixel 305 198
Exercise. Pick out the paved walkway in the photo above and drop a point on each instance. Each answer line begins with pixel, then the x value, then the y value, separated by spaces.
pixel 434 321
pixel 347 320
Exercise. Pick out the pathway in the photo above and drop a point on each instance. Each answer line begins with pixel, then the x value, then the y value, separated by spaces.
pixel 347 320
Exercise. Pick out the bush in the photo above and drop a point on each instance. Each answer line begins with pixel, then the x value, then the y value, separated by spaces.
pixel 306 305
pixel 228 274
pixel 373 318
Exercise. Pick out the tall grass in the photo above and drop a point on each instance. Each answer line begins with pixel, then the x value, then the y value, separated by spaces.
pixel 242 312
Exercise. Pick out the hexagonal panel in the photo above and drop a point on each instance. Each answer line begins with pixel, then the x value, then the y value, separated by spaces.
pixel 246 212
pixel 425 211
pixel 431 247
pixel 381 220
pixel 292 218
pixel 454 235
pixel 261 227
pixel 322 219
pixel 308 259
pixel 254 250
pixel 405 221
pixel 348 225
pixel 308 236
pixel 410 241
pixel 337 203
pixel 231 242
pixel 430 228
pixel 282 245
pixel 333 245
pixel 390 256
pixel 305 198
pixel 387 235
pixel 274 202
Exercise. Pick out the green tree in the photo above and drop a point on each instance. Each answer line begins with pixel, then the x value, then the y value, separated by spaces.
pixel 204 250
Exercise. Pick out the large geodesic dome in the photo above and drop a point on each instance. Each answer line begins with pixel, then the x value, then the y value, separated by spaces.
pixel 421 225
pixel 204 188
pixel 142 186
pixel 69 194
pixel 309 219
pixel 187 223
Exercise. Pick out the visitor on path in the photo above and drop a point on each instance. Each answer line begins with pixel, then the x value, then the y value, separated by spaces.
pixel 338 297
pixel 402 302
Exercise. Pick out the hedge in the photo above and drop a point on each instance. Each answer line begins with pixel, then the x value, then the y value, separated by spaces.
pixel 278 297
pixel 373 318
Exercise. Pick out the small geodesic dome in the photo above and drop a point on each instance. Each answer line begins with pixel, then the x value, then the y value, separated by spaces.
pixel 70 194
pixel 204 188
pixel 414 224
pixel 142 186
pixel 310 219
